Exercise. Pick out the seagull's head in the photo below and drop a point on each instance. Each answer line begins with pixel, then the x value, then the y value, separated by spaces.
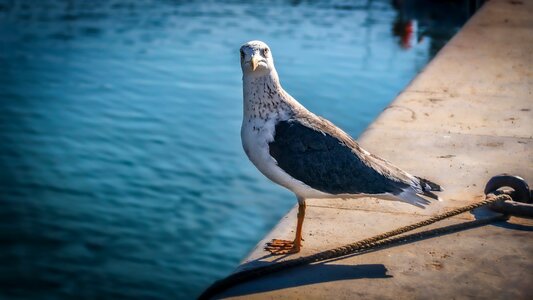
pixel 256 58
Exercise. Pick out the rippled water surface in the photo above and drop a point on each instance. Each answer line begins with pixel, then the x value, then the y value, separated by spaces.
pixel 121 168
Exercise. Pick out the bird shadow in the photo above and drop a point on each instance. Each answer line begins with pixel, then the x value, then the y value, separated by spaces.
pixel 307 275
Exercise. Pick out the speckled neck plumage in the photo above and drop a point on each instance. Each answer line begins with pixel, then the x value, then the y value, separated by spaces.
pixel 264 98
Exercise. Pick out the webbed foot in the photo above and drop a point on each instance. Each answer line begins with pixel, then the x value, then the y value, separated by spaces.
pixel 280 247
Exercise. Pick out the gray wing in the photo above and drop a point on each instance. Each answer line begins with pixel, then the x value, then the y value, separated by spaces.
pixel 329 162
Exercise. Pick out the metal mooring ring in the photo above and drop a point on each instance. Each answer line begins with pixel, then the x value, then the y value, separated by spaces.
pixel 521 193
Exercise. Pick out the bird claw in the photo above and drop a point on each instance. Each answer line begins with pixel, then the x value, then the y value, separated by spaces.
pixel 280 247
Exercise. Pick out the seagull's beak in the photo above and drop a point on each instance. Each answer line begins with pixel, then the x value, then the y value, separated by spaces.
pixel 254 62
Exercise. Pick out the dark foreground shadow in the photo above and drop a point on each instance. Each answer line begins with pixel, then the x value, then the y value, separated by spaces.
pixel 306 275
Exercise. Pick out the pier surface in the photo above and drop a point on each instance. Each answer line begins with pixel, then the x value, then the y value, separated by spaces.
pixel 466 117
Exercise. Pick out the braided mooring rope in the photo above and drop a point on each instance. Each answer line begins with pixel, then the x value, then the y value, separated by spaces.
pixel 380 240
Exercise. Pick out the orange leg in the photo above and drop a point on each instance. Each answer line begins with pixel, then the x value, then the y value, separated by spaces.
pixel 279 247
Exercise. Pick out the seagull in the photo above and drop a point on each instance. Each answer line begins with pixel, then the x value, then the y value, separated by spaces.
pixel 308 154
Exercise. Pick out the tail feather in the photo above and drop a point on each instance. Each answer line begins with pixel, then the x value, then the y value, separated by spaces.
pixel 430 195
pixel 428 187
pixel 420 186
pixel 410 196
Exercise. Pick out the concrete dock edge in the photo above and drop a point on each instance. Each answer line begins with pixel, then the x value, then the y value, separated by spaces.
pixel 466 117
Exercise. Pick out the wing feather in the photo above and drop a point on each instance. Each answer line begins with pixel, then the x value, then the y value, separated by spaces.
pixel 316 152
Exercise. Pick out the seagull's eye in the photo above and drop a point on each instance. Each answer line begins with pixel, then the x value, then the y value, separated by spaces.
pixel 265 52
pixel 242 54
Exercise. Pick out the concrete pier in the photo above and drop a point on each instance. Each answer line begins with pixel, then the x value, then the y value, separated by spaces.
pixel 466 117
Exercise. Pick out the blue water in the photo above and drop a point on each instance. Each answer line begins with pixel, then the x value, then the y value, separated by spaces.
pixel 121 168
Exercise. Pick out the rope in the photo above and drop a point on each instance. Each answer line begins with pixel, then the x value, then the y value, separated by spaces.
pixel 378 241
